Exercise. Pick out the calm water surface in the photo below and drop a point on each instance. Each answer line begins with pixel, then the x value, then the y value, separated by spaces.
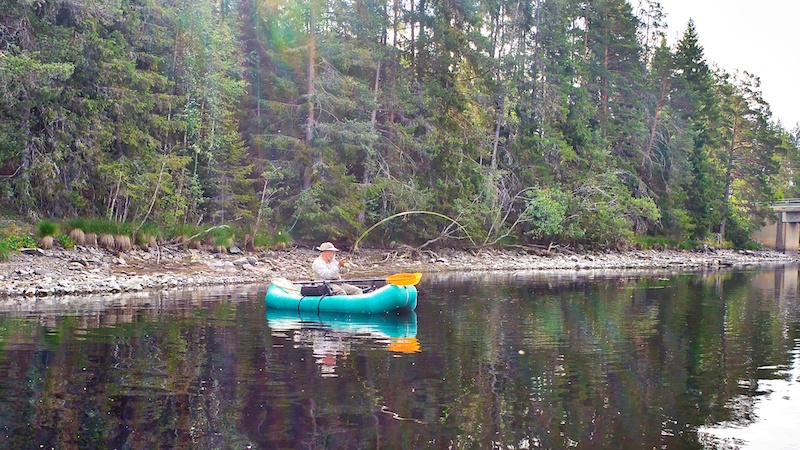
pixel 517 360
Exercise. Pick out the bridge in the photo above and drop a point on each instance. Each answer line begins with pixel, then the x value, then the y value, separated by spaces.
pixel 784 234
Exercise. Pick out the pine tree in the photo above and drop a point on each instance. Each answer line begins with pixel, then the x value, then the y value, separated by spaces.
pixel 694 101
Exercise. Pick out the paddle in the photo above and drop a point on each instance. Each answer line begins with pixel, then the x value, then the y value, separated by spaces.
pixel 398 279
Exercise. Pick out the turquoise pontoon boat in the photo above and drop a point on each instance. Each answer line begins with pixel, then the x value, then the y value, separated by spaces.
pixel 284 294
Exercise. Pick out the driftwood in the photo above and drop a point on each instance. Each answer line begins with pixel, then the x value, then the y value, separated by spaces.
pixel 185 242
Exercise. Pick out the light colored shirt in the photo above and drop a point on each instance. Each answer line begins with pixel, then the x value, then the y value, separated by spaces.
pixel 325 270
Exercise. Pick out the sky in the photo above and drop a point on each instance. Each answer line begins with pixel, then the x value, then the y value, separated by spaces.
pixel 759 37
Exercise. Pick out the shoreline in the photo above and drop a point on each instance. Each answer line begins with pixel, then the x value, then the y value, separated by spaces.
pixel 35 274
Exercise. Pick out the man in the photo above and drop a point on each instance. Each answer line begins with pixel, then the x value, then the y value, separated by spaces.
pixel 326 267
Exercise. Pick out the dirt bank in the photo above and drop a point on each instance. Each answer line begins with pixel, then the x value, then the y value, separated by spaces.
pixel 37 273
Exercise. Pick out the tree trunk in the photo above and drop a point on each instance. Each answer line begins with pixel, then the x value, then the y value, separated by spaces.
pixel 393 68
pixel 24 193
pixel 419 43
pixel 376 89
pixel 729 179
pixel 413 40
pixel 261 206
pixel 659 105
pixel 604 94
pixel 310 89
pixel 155 195
pixel 585 33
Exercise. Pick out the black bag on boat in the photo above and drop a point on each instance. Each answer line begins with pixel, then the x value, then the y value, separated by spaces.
pixel 315 290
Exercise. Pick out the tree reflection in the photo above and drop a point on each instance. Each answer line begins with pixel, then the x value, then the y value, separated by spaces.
pixel 630 361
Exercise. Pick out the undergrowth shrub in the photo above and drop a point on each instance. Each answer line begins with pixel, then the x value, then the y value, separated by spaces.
pixel 222 237
pixel 5 251
pixel 46 228
pixel 66 242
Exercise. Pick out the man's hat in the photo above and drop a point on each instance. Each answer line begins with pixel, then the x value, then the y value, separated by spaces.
pixel 327 246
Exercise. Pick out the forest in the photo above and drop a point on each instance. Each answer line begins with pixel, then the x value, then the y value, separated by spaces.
pixel 468 123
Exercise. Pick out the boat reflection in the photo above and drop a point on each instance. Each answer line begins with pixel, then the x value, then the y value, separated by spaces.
pixel 331 336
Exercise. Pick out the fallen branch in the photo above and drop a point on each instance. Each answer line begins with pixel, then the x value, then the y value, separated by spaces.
pixel 207 231
pixel 191 238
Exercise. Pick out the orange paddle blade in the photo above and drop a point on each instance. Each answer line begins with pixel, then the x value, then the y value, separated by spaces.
pixel 404 279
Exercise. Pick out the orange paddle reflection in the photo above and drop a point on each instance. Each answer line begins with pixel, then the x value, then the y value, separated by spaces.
pixel 404 345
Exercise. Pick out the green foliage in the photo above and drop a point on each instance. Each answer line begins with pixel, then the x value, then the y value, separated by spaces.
pixel 167 113
pixel 739 229
pixel 65 242
pixel 80 223
pixel 655 243
pixel 689 245
pixel 146 232
pixel 149 229
pixel 5 250
pixel 186 230
pixel 329 210
pixel 281 237
pixel 15 242
pixel 277 240
pixel 677 222
pixel 222 236
pixel 752 245
pixel 46 228
pixel 546 210
pixel 101 226
pixel 262 240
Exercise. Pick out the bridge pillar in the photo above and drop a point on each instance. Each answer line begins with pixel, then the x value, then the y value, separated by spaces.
pixel 788 237
pixel 767 236
pixel 784 234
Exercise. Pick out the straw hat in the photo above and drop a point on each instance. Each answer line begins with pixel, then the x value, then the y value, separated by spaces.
pixel 325 246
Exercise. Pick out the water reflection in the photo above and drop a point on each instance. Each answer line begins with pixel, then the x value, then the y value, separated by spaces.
pixel 766 411
pixel 331 336
pixel 513 360
pixel 618 357
pixel 764 421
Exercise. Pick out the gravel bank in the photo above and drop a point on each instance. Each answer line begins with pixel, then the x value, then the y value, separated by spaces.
pixel 37 274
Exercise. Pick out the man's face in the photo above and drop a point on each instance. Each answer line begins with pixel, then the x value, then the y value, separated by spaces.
pixel 328 255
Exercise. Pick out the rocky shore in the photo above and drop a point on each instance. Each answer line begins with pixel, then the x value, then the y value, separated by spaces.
pixel 35 274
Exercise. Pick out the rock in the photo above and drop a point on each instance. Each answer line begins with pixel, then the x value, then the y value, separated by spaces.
pixel 131 285
pixel 90 270
pixel 234 250
pixel 32 251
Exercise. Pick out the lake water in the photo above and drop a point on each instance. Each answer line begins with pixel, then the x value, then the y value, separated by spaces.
pixel 516 360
